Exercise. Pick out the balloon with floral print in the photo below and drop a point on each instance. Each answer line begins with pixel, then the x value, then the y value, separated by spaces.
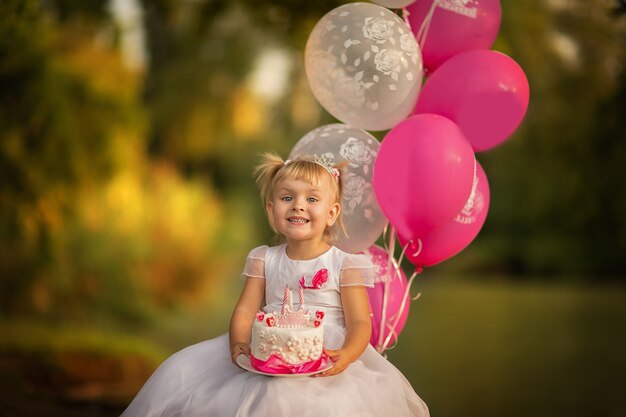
pixel 364 66
pixel 361 215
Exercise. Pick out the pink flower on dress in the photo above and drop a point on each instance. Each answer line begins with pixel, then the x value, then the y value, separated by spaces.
pixel 315 282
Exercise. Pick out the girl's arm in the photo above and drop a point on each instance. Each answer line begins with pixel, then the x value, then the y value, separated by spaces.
pixel 243 316
pixel 359 328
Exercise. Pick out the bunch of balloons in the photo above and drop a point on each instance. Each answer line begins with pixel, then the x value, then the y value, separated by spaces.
pixel 365 65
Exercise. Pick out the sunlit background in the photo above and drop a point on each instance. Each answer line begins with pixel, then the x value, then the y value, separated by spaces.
pixel 128 132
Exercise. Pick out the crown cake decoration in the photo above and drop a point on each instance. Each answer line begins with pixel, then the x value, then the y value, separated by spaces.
pixel 288 317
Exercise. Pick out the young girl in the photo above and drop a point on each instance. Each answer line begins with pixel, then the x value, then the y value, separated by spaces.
pixel 302 199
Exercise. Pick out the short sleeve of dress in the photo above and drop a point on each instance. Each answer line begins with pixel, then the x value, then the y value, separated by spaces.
pixel 255 263
pixel 357 270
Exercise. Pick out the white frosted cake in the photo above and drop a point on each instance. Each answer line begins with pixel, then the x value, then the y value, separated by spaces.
pixel 288 341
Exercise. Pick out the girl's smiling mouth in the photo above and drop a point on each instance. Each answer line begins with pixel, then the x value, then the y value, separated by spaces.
pixel 297 220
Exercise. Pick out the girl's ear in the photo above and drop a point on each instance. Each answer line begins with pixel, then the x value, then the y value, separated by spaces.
pixel 269 210
pixel 333 214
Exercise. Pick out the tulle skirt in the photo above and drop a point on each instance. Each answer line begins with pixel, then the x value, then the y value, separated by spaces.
pixel 201 380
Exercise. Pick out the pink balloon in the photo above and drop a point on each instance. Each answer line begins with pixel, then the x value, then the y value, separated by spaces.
pixel 451 238
pixel 484 92
pixel 398 284
pixel 455 27
pixel 423 174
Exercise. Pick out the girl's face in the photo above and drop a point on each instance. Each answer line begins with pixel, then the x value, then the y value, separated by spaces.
pixel 301 211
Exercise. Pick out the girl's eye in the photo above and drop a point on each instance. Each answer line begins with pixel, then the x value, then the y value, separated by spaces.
pixel 312 199
pixel 286 198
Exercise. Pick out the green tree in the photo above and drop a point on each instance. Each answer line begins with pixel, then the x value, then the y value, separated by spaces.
pixel 56 124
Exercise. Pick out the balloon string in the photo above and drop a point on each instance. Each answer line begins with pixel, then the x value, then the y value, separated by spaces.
pixel 421 33
pixel 405 16
pixel 394 333
pixel 401 258
pixel 404 248
pixel 396 317
pixel 419 250
pixel 381 344
pixel 405 298
pixel 395 338
pixel 385 230
pixel 423 30
pixel 387 286
pixel 396 264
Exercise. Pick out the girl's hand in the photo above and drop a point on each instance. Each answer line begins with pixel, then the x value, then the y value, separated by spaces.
pixel 238 349
pixel 359 327
pixel 341 360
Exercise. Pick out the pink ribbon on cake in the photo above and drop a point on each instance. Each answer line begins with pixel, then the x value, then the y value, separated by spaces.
pixel 275 365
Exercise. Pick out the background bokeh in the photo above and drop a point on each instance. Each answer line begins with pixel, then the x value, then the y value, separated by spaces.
pixel 128 132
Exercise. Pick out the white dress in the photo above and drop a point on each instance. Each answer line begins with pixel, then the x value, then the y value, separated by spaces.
pixel 201 380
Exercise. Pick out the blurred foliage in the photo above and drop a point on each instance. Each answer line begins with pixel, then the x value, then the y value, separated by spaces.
pixel 126 191
pixel 558 194
pixel 55 121
pixel 89 224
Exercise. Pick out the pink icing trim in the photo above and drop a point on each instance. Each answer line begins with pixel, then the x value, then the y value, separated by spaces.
pixel 299 318
pixel 275 365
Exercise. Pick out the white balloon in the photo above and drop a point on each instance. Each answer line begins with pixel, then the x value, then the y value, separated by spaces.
pixel 364 66
pixel 394 4
pixel 362 218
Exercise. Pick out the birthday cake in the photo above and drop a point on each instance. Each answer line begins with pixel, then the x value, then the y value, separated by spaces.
pixel 289 341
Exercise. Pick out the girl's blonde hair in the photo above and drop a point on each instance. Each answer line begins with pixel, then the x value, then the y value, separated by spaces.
pixel 272 169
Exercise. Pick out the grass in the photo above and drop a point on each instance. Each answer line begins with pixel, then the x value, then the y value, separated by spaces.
pixel 516 349
pixel 53 339
pixel 70 370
